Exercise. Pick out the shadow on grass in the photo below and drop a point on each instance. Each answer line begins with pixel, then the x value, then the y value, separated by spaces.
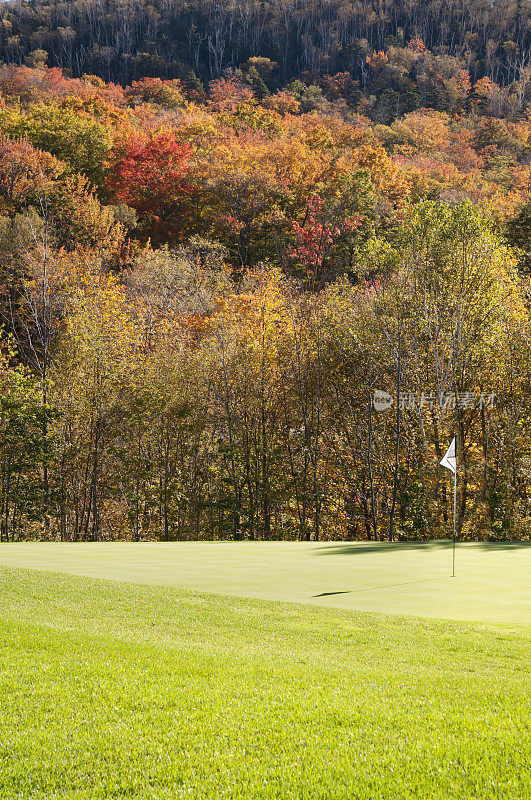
pixel 387 586
pixel 359 548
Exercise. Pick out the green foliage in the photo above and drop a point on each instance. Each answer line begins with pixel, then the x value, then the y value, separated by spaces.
pixel 79 141
pixel 518 232
pixel 25 447
pixel 310 97
pixel 194 87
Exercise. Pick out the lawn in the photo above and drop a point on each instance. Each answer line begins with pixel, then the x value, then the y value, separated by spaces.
pixel 492 582
pixel 112 689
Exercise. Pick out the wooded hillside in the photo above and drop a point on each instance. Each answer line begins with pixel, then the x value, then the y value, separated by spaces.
pixel 123 40
pixel 223 229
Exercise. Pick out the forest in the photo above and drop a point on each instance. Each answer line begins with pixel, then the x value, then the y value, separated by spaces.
pixel 259 263
pixel 123 40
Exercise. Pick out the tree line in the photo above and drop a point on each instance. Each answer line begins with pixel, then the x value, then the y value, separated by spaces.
pixel 125 40
pixel 224 316
pixel 172 406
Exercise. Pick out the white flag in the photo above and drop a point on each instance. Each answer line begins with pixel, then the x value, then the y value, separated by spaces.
pixel 450 461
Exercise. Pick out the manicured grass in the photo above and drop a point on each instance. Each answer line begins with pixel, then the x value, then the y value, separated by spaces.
pixel 492 582
pixel 116 690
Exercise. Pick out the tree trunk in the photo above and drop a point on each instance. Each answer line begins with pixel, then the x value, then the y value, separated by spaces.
pixel 397 444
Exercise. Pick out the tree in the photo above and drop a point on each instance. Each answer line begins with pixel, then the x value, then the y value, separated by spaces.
pixel 151 176
pixel 518 232
pixel 316 240
pixel 97 355
pixel 25 447
pixel 78 140
pixel 81 221
pixel 168 94
pixel 25 174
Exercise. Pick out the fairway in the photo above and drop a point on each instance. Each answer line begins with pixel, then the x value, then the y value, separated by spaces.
pixel 492 582
pixel 117 690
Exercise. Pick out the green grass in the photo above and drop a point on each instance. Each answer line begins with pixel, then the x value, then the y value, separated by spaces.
pixel 492 582
pixel 117 690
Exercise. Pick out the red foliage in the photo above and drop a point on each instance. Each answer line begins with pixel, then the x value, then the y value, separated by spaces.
pixel 315 237
pixel 150 177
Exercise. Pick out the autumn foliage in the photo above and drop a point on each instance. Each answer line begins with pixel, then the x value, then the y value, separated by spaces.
pixel 202 285
pixel 150 176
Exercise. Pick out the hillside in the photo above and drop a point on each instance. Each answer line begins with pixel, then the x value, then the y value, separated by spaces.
pixel 217 259
pixel 383 59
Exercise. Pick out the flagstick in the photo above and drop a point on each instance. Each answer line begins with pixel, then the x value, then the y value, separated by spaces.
pixel 450 462
pixel 455 501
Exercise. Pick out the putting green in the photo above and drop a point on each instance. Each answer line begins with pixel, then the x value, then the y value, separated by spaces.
pixel 492 582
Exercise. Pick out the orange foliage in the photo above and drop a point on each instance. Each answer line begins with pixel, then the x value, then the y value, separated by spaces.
pixel 423 131
pixel 25 172
pixel 256 163
pixel 27 84
pixel 378 60
pixel 283 102
pixel 416 45
pixel 227 94
pixel 168 94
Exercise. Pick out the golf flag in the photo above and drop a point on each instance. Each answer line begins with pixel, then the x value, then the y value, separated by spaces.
pixel 449 461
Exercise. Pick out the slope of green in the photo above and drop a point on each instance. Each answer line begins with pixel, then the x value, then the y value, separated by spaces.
pixel 117 690
pixel 492 582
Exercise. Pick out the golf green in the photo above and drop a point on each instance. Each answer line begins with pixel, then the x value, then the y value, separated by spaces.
pixel 492 582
